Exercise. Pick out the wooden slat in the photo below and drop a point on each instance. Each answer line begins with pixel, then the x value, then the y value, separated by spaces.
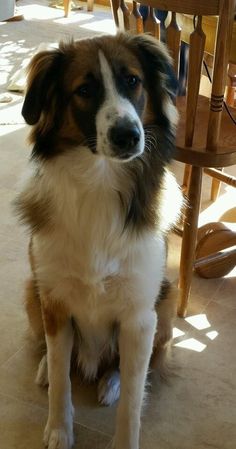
pixel 196 52
pixel 90 5
pixel 67 7
pixel 152 24
pixel 123 14
pixel 115 4
pixel 218 174
pixel 135 20
pixel 195 7
pixel 202 158
pixel 173 34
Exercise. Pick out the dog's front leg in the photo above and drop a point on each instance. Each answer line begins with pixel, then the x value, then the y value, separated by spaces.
pixel 58 433
pixel 135 346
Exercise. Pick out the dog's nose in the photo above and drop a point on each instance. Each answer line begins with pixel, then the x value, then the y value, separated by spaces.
pixel 125 136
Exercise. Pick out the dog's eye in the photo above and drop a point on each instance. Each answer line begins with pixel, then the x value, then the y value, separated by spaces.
pixel 83 91
pixel 132 80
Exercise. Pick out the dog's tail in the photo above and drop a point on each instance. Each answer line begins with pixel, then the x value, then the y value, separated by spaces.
pixel 166 307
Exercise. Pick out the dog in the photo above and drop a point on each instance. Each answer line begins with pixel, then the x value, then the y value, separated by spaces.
pixel 99 203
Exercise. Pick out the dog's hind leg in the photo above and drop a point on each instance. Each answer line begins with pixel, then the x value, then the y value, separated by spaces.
pixel 109 387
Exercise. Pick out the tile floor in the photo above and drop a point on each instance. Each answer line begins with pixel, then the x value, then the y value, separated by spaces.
pixel 197 408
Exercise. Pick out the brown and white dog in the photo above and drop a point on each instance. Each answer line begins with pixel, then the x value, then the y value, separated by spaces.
pixel 99 204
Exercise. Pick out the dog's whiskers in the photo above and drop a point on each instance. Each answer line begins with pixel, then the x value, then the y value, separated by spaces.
pixel 90 141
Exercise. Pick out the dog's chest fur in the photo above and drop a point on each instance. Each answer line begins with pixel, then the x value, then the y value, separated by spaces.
pixel 87 240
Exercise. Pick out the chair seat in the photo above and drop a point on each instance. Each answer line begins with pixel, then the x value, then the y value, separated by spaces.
pixel 199 156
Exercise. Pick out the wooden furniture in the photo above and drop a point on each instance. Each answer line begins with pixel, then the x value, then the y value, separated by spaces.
pixel 216 249
pixel 206 136
pixel 67 6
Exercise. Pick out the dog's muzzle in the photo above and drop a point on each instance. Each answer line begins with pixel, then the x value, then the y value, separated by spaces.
pixel 125 139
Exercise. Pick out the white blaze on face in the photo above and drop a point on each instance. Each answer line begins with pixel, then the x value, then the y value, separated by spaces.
pixel 115 107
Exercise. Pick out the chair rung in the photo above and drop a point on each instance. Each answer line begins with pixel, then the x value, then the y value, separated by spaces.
pixel 230 180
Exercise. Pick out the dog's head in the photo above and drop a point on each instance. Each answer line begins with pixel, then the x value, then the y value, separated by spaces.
pixel 99 92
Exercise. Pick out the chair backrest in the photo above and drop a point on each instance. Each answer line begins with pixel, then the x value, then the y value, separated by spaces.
pixel 130 19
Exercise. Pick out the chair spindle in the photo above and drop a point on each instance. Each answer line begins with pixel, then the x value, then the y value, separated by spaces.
pixel 152 24
pixel 173 34
pixel 196 52
pixel 136 20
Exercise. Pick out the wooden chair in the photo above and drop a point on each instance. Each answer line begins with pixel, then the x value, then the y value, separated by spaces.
pixel 206 136
pixel 67 6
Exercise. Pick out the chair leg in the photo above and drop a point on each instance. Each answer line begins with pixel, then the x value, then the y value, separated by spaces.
pixel 67 7
pixel 90 5
pixel 189 239
pixel 215 187
pixel 186 177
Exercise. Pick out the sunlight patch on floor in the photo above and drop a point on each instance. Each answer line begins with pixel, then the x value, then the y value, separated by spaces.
pixel 177 332
pixel 212 335
pixel 74 18
pixel 106 25
pixel 36 11
pixel 216 209
pixel 192 344
pixel 4 130
pixel 231 274
pixel 198 321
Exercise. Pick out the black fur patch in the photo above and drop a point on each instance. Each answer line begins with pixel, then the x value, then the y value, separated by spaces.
pixel 147 172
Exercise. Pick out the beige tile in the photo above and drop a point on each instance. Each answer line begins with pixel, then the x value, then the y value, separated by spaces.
pixel 197 408
pixel 226 294
pixel 21 424
pixel 14 156
pixel 13 328
pixel 22 427
pixel 205 287
pixel 87 410
pixel 17 377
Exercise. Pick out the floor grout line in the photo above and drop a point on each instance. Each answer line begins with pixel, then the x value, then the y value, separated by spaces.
pixel 5 363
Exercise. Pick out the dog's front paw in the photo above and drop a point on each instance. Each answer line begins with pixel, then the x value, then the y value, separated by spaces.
pixel 58 438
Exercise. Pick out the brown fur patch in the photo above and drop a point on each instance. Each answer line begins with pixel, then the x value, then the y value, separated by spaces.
pixel 33 309
pixel 34 212
pixel 55 315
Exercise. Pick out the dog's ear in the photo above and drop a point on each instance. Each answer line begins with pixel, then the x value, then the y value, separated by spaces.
pixel 42 75
pixel 159 75
pixel 157 61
